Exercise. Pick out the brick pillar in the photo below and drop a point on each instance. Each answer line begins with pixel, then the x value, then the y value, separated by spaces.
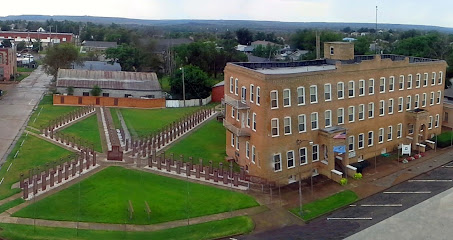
pixel 167 132
pixel 66 171
pixel 210 168
pixel 80 164
pixel 87 163
pixel 46 132
pixel 167 165
pixel 225 179
pixel 127 145
pixel 188 169
pixel 159 163
pixel 220 169
pixel 178 167
pixel 242 173
pixel 206 173
pixel 25 190
pixel 43 182
pixel 150 160
pixel 172 159
pixel 21 183
pixel 216 176
pixel 235 180
pixel 171 131
pixel 30 176
pixel 60 174
pixel 52 178
pixel 158 139
pixel 73 169
pixel 94 158
pixel 197 173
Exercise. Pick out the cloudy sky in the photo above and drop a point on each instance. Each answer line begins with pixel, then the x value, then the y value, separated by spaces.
pixel 434 12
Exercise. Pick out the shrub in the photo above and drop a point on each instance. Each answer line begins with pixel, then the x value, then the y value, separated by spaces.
pixel 444 139
pixel 358 176
pixel 343 181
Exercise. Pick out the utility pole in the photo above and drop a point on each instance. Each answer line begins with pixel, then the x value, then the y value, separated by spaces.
pixel 183 87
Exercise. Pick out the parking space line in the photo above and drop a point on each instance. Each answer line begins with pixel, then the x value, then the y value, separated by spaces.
pixel 353 205
pixel 350 218
pixel 447 166
pixel 381 205
pixel 430 180
pixel 427 192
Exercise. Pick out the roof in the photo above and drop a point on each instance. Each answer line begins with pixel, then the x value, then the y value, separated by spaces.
pixel 140 81
pixel 448 93
pixel 263 43
pixel 99 44
pixel 99 66
pixel 222 83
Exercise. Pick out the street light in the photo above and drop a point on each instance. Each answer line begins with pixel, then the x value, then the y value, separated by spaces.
pixel 299 142
pixel 183 86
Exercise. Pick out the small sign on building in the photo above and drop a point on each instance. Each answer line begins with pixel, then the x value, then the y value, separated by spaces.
pixel 406 149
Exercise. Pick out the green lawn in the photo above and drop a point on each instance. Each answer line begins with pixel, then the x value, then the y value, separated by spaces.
pixel 48 112
pixel 88 130
pixel 319 207
pixel 24 69
pixel 20 77
pixel 209 230
pixel 143 122
pixel 104 198
pixel 33 153
pixel 115 118
pixel 11 204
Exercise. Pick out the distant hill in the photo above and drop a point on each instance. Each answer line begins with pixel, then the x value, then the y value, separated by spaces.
pixel 222 25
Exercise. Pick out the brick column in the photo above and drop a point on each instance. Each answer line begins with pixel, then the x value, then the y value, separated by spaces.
pixel 73 169
pixel 43 182
pixel 60 174
pixel 25 190
pixel 21 183
pixel 66 171
pixel 52 178
pixel 178 167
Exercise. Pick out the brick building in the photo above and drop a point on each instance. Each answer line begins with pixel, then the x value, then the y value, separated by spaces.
pixel 8 63
pixel 287 121
pixel 43 37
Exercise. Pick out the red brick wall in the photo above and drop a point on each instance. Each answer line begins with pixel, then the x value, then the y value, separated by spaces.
pixel 108 101
pixel 217 93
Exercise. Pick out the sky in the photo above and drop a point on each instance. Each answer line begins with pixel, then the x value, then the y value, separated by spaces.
pixel 419 12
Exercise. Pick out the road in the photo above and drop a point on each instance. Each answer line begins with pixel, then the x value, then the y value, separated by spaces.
pixel 17 105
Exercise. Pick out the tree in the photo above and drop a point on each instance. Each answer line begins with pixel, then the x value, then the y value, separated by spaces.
pixel 306 40
pixel 130 58
pixel 196 83
pixel 70 91
pixel 96 91
pixel 362 45
pixel 244 36
pixel 6 43
pixel 60 56
pixel 268 51
pixel 21 46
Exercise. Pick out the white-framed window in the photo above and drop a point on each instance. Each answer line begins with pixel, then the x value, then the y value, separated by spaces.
pixel 287 125
pixel 253 154
pixel 274 127
pixel 417 101
pixel 362 87
pixel 236 87
pixel 409 81
pixel 313 94
pixel 433 78
pixel 370 138
pixel 351 89
pixel 340 116
pixel 391 102
pixel 360 141
pixel 391 83
pixel 248 119
pixel 302 123
pixel 425 80
pixel 327 92
pixel 252 92
pixel 371 86
pixel 247 149
pixel 371 110
pixel 233 143
pixel 439 97
pixel 277 162
pixel 233 112
pixel 436 123
pixel 431 99
pixel 332 51
pixel 430 123
pixel 258 96
pixel 418 80
pixel 237 143
pixel 303 156
pixel 410 129
pixel 315 153
pixel 441 77
pixel 351 113
pixel 351 143
pixel 237 115
pixel 290 159
pixel 286 98
pixel 381 135
pixel 399 130
pixel 254 122
pixel 382 85
pixel 231 84
pixel 424 100
pixel 400 104
pixel 300 96
pixel 328 118
pixel 274 99
pixel 340 90
pixel 314 121
pixel 361 112
pixel 401 82
pixel 244 94
pixel 390 133
pixel 381 108
pixel 409 102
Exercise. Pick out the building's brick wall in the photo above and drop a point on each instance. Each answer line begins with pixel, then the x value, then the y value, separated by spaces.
pixel 8 63
pixel 108 101
pixel 217 93
pixel 341 50
pixel 114 93
pixel 447 118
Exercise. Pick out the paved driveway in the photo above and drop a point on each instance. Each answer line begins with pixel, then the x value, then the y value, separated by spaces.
pixel 17 105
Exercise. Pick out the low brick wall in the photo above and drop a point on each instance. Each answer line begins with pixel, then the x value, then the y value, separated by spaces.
pixel 108 101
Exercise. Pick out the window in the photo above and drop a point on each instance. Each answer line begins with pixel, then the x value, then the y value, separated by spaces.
pixel 303 156
pixel 439 95
pixel 361 112
pixel 340 90
pixel 247 149
pixel 425 80
pixel 253 154
pixel 446 116
pixel 315 153
pixel 248 119
pixel 314 121
pixel 399 130
pixel 371 86
pixel 391 106
pixel 441 77
pixel 254 122
pixel 274 99
pixel 381 108
pixel 417 101
pixel 331 50
pixel 287 125
pixel 410 129
pixel 286 98
pixel 277 162
pixel 400 104
pixel 231 85
pixel 436 123
pixel 430 123
pixel 232 140
pixel 360 141
pixel 401 82
pixel 327 92
pixel 431 99
pixel 433 79
pixel 417 80
pixel 391 84
pixel 361 87
pixel 236 86
pixel 290 159
pixel 424 100
pixel 340 116
pixel 252 93
pixel 233 113
pixel 243 94
pixel 86 93
pixel 301 120
pixel 389 133
pixel 313 94
pixel 105 94
pixel 370 138
pixel 300 96
pixel 351 143
pixel 382 85
pixel 237 143
pixel 351 113
pixel 408 102
pixel 237 115
pixel 351 89
pixel 64 39
pixel 274 126
pixel 409 81
pixel 381 135
pixel 258 96
pixel 328 118
pixel 371 110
